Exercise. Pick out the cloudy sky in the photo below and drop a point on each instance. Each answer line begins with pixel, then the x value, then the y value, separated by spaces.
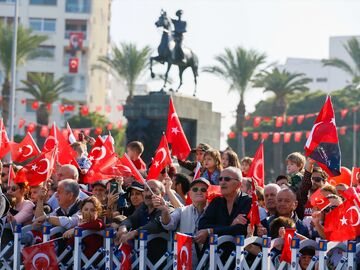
pixel 279 28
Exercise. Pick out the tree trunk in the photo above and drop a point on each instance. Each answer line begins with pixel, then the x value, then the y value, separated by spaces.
pixel 6 100
pixel 240 120
pixel 279 109
pixel 42 118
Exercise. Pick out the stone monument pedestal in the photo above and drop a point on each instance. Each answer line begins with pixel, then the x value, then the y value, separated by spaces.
pixel 147 120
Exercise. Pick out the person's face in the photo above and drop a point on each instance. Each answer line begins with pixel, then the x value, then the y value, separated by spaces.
pixel 291 167
pixel 64 173
pixel 244 166
pixel 198 193
pixel 148 194
pixel 114 225
pixel 231 186
pixel 199 155
pixel 225 160
pixel 127 181
pixel 99 192
pixel 209 162
pixel 270 197
pixel 285 203
pixel 304 261
pixel 5 176
pixel 131 153
pixel 34 194
pixel 136 197
pixel 89 212
pixel 281 182
pixel 15 191
pixel 244 186
pixel 317 181
pixel 64 197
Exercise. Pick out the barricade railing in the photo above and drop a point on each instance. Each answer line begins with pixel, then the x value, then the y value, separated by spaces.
pixel 104 257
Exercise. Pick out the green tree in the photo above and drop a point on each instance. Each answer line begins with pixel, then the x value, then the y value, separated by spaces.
pixel 238 67
pixel 353 69
pixel 27 48
pixel 46 90
pixel 128 62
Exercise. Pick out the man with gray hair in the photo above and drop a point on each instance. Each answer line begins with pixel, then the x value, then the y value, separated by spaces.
pixel 67 214
pixel 270 192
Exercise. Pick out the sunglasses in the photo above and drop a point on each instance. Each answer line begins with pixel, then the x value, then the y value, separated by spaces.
pixel 317 179
pixel 226 178
pixel 329 208
pixel 196 189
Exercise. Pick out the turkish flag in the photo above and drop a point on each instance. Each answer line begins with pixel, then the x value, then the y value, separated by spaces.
pixel 65 154
pixel 286 252
pixel 213 192
pixel 126 161
pixel 342 223
pixel 318 200
pixel 73 65
pixel 355 176
pixel 254 215
pixel 76 40
pixel 175 135
pixel 11 176
pixel 40 257
pixel 100 149
pixel 4 140
pixel 41 168
pixel 197 172
pixel 24 150
pixel 323 143
pixel 161 159
pixel 184 251
pixel 256 171
pixel 102 169
pixel 125 254
pixel 71 136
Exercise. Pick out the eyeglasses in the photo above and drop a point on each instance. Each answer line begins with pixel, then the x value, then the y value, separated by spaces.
pixel 226 178
pixel 196 189
pixel 317 179
pixel 329 208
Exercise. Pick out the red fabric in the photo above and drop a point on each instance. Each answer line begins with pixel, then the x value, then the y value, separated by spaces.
pixel 125 261
pixel 300 119
pixel 341 224
pixel 188 200
pixel 354 176
pixel 102 169
pixel 308 209
pixel 161 159
pixel 264 135
pixel 24 150
pixel 40 169
pixel 11 176
pixel 101 150
pixel 256 171
pixel 71 136
pixel 318 200
pixel 279 121
pixel 184 251
pixel 257 121
pixel 287 137
pixel 73 65
pixel 254 215
pixel 4 140
pixel 197 172
pixel 286 252
pixel 139 164
pixel 175 134
pixel 125 160
pixel 290 120
pixel 297 136
pixel 213 192
pixel 21 122
pixel 343 113
pixel 40 257
pixel 276 137
pixel 255 136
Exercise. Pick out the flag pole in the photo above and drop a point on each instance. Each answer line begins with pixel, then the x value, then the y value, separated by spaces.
pixel 13 73
pixel 354 137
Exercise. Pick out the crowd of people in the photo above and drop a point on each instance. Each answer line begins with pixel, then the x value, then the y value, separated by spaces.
pixel 176 201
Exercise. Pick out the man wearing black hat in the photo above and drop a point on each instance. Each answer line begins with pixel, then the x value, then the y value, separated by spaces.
pixel 199 151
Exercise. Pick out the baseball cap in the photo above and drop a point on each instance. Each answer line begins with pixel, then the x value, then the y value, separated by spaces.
pixel 200 180
pixel 202 147
pixel 135 185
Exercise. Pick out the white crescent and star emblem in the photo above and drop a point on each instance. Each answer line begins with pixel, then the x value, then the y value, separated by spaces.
pixel 256 176
pixel 50 143
pixel 28 146
pixel 37 257
pixel 98 148
pixel 163 152
pixel 319 201
pixel 173 115
pixel 175 130
pixel 47 166
pixel 358 215
pixel 184 250
pixel 307 145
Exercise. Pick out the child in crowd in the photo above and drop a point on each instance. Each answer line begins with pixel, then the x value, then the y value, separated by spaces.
pixel 294 168
pixel 134 150
pixel 282 180
pixel 81 158
pixel 245 164
pixel 230 158
pixel 212 165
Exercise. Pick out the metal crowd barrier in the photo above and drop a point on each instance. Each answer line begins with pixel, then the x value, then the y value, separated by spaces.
pixel 105 258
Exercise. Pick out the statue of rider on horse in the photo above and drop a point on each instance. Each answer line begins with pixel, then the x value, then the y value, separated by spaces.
pixel 171 49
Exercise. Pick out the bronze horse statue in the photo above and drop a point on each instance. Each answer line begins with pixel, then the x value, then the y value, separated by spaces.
pixel 171 50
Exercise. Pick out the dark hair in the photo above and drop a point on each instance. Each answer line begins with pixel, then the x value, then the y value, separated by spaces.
pixel 136 146
pixel 280 177
pixel 259 193
pixel 324 175
pixel 279 222
pixel 182 179
pixel 232 157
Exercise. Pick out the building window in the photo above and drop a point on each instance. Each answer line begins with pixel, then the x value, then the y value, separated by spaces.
pixel 78 6
pixel 321 80
pixel 7 1
pixel 7 20
pixel 49 52
pixel 44 2
pixel 75 26
pixel 42 25
pixel 29 108
pixel 77 82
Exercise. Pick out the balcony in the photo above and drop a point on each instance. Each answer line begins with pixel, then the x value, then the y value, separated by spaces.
pixel 75 26
pixel 78 6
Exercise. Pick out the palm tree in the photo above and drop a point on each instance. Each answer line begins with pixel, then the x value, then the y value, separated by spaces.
pixel 27 48
pixel 46 90
pixel 128 62
pixel 282 84
pixel 353 69
pixel 238 67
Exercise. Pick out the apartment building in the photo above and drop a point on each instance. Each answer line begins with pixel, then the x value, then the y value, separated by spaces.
pixel 58 19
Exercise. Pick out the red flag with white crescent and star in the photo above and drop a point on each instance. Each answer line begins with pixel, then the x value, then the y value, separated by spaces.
pixel 71 136
pixel 254 214
pixel 256 171
pixel 355 176
pixel 40 257
pixel 322 144
pixel 175 135
pixel 4 140
pixel 41 168
pixel 100 150
pixel 101 170
pixel 24 150
pixel 161 159
pixel 184 251
pixel 286 252
pixel 126 161
pixel 318 200
pixel 125 256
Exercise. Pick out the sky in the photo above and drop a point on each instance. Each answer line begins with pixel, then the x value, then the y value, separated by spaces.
pixel 278 28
